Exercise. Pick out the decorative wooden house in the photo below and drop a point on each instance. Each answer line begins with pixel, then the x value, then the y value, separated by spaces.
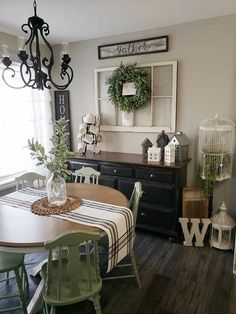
pixel 181 143
pixel 146 144
pixel 169 154
pixel 162 141
pixel 154 154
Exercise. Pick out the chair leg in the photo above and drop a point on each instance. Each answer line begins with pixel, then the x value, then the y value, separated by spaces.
pixel 97 305
pixel 135 269
pixel 45 308
pixel 21 292
pixel 25 275
pixel 53 310
pixel 7 276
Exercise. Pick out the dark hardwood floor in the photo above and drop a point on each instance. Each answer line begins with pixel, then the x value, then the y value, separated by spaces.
pixel 175 280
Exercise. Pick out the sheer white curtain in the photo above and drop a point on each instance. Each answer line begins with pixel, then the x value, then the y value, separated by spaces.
pixel 24 113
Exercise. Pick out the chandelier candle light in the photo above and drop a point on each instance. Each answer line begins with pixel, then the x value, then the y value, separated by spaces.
pixel 32 63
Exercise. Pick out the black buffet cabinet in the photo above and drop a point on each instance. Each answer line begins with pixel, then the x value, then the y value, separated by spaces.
pixel 161 202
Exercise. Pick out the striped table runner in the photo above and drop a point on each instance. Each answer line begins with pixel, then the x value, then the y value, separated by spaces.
pixel 116 221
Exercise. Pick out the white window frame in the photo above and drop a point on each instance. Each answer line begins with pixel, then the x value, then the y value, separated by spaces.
pixel 150 127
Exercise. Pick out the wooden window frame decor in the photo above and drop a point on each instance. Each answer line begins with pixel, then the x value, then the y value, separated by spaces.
pixel 134 47
pixel 62 109
pixel 146 119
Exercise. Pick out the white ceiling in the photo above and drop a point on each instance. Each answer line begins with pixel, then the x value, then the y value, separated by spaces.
pixel 73 20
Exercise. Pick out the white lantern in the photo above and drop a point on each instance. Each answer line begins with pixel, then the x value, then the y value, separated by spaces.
pixel 222 230
pixel 169 154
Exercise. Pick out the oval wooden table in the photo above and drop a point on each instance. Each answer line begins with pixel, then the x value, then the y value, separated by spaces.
pixel 24 231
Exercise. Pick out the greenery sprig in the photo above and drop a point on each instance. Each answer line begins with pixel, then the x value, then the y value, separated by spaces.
pixel 57 159
pixel 127 73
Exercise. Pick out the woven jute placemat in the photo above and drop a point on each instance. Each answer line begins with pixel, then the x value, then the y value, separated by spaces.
pixel 43 208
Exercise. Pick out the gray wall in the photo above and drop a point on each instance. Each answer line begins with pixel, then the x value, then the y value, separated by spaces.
pixel 206 55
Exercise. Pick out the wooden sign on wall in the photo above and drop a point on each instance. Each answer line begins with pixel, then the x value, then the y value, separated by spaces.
pixel 134 47
pixel 62 108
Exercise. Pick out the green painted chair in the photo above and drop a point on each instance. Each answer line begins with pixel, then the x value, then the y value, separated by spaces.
pixel 30 179
pixel 14 262
pixel 133 205
pixel 87 175
pixel 73 278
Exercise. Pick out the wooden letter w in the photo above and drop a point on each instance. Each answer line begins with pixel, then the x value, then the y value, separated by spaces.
pixel 194 230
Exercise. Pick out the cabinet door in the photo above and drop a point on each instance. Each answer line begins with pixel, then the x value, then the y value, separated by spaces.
pixel 158 216
pixel 126 186
pixel 107 181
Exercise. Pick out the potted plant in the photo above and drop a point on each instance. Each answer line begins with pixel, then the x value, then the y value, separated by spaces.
pixel 56 161
pixel 136 95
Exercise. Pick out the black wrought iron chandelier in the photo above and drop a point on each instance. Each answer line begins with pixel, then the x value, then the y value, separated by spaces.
pixel 35 70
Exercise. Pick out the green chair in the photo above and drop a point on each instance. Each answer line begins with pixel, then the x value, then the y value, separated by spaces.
pixel 30 179
pixel 87 175
pixel 14 262
pixel 133 205
pixel 75 277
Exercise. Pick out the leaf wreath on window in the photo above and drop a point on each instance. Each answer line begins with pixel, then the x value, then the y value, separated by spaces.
pixel 129 73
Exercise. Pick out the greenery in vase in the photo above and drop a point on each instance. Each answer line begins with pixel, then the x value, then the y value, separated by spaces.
pixel 129 73
pixel 56 161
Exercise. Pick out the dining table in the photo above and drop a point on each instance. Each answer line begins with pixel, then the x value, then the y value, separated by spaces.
pixel 23 231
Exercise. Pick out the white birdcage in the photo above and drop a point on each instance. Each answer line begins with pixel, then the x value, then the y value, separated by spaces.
pixel 215 148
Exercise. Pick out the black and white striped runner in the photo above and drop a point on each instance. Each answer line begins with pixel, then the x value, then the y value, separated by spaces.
pixel 116 221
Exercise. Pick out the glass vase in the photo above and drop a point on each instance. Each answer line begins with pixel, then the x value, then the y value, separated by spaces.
pixel 56 190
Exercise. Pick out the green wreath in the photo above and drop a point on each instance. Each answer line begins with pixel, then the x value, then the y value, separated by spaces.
pixel 129 73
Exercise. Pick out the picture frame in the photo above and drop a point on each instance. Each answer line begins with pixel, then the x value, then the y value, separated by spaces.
pixel 134 47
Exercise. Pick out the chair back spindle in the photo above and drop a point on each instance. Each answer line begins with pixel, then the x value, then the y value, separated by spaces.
pixel 86 175
pixel 30 180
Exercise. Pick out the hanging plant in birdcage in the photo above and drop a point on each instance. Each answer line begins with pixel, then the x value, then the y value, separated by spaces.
pixel 215 152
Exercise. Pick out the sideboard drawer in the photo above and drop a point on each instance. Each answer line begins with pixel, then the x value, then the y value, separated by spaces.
pixel 157 175
pixel 117 171
pixel 162 194
pixel 76 165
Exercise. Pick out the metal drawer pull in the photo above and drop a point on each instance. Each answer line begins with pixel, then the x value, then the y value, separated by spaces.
pixel 143 214
pixel 115 171
pixel 151 175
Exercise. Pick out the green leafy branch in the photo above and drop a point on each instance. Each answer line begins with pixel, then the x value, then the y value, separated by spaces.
pixel 57 159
